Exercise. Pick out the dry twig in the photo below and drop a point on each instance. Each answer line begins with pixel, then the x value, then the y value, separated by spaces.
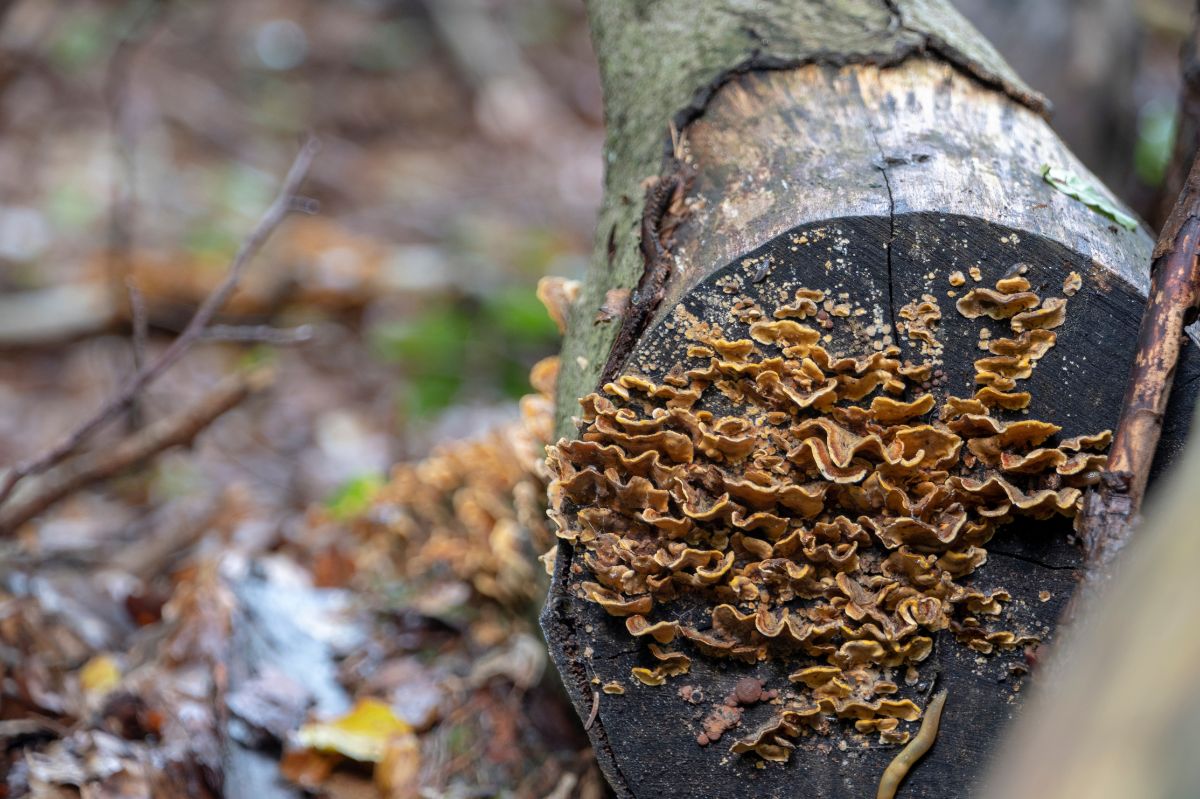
pixel 172 431
pixel 123 184
pixel 260 334
pixel 1110 511
pixel 115 405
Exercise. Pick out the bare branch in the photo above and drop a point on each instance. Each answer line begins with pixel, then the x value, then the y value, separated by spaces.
pixel 140 327
pixel 1110 511
pixel 260 334
pixel 123 205
pixel 140 323
pixel 208 309
pixel 172 431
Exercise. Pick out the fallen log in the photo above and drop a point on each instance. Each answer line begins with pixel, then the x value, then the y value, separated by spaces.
pixel 813 208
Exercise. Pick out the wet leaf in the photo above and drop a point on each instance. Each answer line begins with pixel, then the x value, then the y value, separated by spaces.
pixel 362 734
pixel 1072 185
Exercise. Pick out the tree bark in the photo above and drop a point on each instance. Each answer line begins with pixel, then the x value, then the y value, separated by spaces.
pixel 896 127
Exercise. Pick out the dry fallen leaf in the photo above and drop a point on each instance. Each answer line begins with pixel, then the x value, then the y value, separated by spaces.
pixel 362 734
pixel 99 676
pixel 397 774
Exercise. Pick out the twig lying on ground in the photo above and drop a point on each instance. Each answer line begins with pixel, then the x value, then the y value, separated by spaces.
pixel 172 431
pixel 260 334
pixel 1110 510
pixel 284 202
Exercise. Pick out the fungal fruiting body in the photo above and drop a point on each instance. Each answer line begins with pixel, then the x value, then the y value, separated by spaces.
pixel 829 513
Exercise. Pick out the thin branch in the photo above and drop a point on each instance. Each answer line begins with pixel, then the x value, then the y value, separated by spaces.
pixel 1110 511
pixel 140 322
pixel 260 334
pixel 270 220
pixel 173 431
pixel 123 203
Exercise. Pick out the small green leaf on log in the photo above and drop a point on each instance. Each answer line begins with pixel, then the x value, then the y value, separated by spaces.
pixel 1072 185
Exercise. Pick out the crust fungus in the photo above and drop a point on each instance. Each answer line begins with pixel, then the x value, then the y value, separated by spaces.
pixel 812 525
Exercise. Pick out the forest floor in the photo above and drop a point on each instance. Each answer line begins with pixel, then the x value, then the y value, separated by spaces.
pixel 277 610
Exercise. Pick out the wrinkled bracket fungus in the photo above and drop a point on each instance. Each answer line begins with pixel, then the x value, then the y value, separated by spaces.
pixel 836 472
pixel 779 489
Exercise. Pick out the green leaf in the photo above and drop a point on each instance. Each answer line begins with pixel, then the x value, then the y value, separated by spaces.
pixel 354 496
pixel 1155 141
pixel 429 393
pixel 435 341
pixel 1072 185
pixel 517 315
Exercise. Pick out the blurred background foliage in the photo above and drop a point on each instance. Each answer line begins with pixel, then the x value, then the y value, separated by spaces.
pixel 461 163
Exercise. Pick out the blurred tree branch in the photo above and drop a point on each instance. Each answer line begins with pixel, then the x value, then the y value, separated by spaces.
pixel 176 430
pixel 1187 124
pixel 147 15
pixel 284 203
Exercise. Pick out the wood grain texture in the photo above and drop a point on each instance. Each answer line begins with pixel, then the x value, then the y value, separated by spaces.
pixel 778 149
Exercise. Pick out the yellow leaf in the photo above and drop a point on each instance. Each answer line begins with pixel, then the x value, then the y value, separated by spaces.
pixel 361 734
pixel 99 676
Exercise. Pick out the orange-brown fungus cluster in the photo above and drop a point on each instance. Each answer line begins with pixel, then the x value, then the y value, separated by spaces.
pixel 473 510
pixel 830 518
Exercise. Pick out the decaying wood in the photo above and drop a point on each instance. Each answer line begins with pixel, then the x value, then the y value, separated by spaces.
pixel 782 148
pixel 800 119
pixel 283 204
pixel 1111 511
pixel 179 429
pixel 648 295
pixel 1115 716
pixel 661 64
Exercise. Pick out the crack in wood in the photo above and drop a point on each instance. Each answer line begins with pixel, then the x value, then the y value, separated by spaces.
pixel 887 183
pixel 1032 560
